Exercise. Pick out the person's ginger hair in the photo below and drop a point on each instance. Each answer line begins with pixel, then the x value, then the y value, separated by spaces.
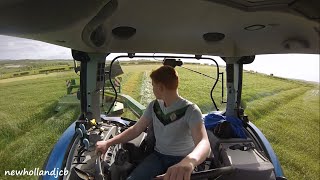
pixel 167 76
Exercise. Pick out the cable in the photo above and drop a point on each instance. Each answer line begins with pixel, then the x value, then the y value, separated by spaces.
pixel 112 85
pixel 199 73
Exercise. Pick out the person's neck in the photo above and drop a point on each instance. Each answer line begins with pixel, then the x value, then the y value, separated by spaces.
pixel 170 98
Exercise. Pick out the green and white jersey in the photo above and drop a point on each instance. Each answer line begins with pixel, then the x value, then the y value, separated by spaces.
pixel 172 133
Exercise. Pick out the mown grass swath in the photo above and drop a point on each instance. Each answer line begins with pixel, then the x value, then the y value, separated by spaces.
pixel 286 111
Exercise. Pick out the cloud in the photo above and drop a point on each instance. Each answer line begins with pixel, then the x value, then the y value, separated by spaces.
pixel 19 48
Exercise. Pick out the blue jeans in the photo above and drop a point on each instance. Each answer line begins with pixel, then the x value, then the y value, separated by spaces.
pixel 153 165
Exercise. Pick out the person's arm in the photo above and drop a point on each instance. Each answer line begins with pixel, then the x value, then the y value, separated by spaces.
pixel 183 170
pixel 129 134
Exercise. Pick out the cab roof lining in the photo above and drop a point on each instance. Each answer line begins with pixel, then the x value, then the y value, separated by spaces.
pixel 289 26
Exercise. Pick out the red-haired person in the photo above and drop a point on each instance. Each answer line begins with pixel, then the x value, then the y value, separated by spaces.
pixel 181 139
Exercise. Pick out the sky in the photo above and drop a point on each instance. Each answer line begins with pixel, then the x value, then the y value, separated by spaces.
pixel 296 66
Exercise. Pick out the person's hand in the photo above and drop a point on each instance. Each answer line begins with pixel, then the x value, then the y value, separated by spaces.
pixel 102 146
pixel 180 171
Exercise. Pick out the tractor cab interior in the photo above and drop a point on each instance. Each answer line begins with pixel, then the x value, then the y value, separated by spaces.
pixel 235 30
pixel 230 157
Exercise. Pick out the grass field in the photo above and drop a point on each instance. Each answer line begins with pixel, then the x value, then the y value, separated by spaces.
pixel 286 111
pixel 17 68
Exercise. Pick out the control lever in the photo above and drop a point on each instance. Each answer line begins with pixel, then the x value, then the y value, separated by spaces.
pixel 83 128
pixel 98 166
pixel 86 143
pixel 79 132
pixel 83 175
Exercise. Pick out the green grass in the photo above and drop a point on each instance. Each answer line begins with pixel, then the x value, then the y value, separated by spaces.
pixel 196 87
pixel 131 83
pixel 9 68
pixel 286 111
pixel 293 130
pixel 29 128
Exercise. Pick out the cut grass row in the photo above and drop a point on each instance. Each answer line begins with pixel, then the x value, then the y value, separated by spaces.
pixel 257 86
pixel 293 130
pixel 264 105
pixel 131 86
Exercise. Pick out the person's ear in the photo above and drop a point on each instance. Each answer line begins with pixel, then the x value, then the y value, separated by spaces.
pixel 161 87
